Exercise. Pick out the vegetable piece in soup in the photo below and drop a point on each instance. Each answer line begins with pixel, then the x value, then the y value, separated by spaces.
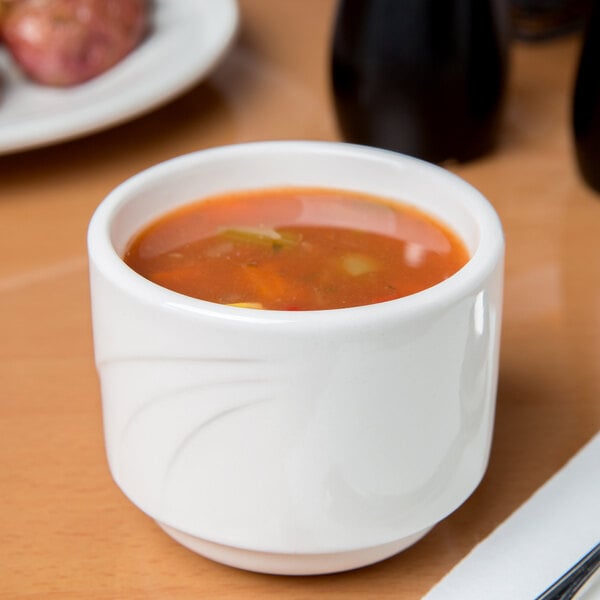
pixel 296 249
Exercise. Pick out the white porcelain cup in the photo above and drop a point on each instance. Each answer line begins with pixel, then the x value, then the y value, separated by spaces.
pixel 297 442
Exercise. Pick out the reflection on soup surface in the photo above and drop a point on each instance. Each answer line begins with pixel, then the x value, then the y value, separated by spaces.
pixel 296 249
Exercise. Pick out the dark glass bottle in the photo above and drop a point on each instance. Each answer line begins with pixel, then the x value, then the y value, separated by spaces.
pixel 586 104
pixel 422 77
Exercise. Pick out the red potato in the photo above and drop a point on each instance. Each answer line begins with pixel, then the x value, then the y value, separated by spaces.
pixel 66 42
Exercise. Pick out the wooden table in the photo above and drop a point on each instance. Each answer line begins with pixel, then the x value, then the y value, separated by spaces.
pixel 66 531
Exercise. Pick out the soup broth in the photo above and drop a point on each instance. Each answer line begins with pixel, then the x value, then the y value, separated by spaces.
pixel 296 249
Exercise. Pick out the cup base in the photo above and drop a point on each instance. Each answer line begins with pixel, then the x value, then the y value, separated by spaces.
pixel 291 563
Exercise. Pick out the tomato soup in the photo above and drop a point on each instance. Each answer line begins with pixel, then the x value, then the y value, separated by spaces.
pixel 296 249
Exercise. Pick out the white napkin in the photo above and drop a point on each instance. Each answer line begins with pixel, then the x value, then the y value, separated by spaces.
pixel 541 540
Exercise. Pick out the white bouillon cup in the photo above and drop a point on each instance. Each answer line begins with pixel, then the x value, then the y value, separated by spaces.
pixel 297 442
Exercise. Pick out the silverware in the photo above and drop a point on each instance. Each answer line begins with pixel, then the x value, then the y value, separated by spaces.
pixel 573 580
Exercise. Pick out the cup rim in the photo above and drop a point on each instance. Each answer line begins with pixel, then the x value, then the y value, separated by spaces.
pixel 469 278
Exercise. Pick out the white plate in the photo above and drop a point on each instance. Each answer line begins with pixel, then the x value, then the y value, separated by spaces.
pixel 188 38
